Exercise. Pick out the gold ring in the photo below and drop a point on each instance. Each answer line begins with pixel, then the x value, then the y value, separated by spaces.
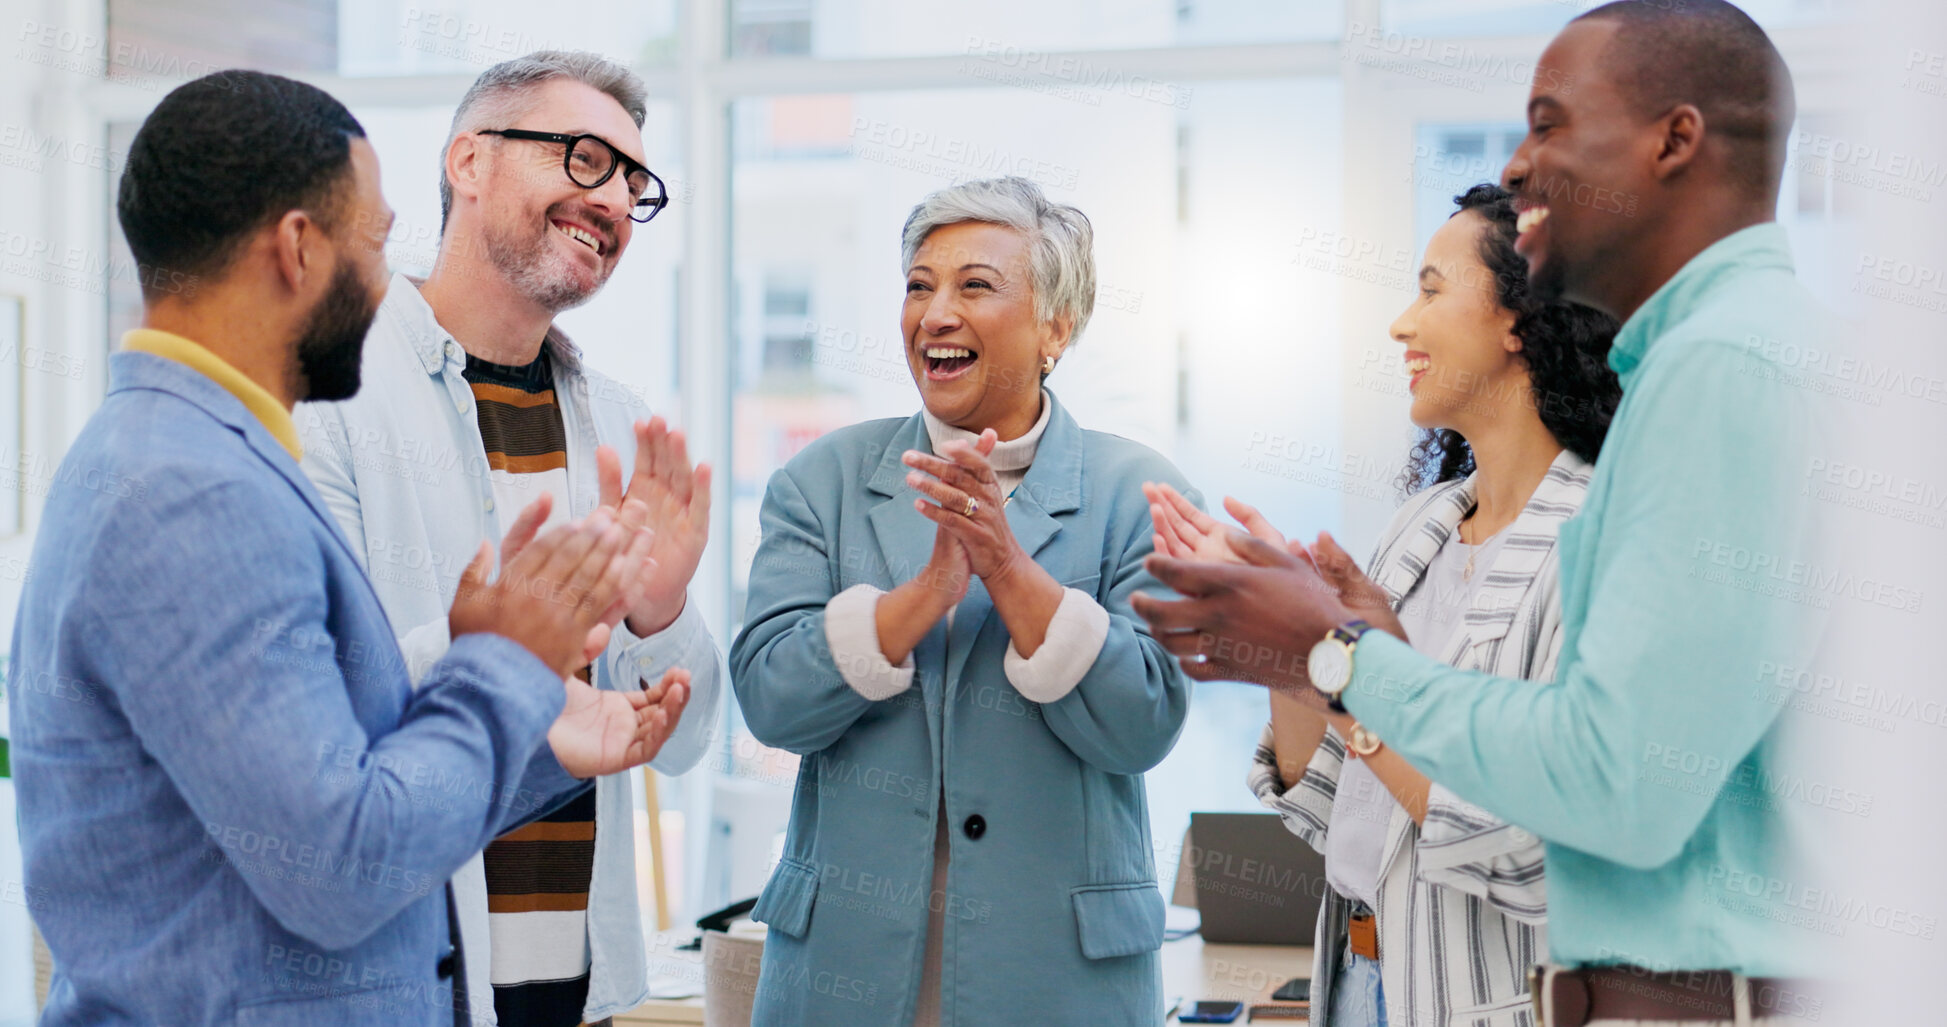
pixel 973 507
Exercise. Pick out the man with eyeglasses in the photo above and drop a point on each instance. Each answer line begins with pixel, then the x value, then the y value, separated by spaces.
pixel 475 406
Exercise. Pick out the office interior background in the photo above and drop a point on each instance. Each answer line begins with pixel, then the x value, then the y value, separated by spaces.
pixel 1261 175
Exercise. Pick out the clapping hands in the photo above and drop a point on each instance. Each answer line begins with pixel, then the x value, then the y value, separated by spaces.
pixel 559 594
pixel 670 497
pixel 1254 603
pixel 602 732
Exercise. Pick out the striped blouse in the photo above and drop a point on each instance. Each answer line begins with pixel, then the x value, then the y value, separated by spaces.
pixel 1461 897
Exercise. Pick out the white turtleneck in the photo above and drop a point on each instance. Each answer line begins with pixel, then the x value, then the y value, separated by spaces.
pixel 1009 459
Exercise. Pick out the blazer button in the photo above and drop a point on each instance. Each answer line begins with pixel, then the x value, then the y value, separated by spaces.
pixel 445 965
pixel 975 826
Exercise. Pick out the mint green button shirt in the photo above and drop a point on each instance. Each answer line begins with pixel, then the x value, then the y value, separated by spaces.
pixel 1653 766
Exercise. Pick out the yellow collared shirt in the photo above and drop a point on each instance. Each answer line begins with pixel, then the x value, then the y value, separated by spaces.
pixel 276 419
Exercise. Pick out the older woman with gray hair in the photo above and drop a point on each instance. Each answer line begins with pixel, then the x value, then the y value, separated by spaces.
pixel 939 624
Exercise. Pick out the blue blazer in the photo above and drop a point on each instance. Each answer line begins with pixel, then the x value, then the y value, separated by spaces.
pixel 1051 908
pixel 234 807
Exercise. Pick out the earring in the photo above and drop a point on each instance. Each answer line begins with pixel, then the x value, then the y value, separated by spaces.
pixel 1047 366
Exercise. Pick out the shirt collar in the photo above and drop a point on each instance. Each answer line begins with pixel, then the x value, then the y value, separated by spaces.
pixel 254 397
pixel 1012 455
pixel 1759 246
pixel 415 317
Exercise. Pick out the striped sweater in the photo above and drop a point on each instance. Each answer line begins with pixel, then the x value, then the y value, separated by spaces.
pixel 1461 897
pixel 538 876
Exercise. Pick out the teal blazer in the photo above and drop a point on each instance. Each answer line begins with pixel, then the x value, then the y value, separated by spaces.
pixel 1051 908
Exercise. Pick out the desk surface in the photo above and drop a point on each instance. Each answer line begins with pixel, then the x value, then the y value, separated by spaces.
pixel 1243 973
pixel 1191 970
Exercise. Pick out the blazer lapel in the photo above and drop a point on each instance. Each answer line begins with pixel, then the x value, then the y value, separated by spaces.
pixel 905 544
pixel 905 538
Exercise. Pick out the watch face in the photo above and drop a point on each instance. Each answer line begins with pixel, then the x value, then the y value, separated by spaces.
pixel 1330 666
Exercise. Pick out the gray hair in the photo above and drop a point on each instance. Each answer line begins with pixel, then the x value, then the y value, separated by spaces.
pixel 1061 242
pixel 503 93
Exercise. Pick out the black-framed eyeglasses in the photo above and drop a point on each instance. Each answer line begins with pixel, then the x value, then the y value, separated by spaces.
pixel 591 160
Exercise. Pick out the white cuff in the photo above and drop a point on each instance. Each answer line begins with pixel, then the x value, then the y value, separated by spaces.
pixel 852 632
pixel 1068 649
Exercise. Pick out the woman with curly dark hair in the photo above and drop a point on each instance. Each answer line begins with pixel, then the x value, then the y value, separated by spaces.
pixel 1568 378
pixel 1436 907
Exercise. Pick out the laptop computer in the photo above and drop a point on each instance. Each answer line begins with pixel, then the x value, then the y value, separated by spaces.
pixel 1256 882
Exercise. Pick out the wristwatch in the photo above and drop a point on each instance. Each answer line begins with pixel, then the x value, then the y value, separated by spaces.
pixel 1360 742
pixel 1330 663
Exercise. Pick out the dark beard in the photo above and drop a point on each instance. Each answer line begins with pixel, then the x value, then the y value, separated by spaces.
pixel 329 351
pixel 1552 284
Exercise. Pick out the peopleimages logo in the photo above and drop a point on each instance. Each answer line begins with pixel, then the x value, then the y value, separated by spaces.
pixel 1019 66
pixel 1366 44
pixel 1783 679
pixel 1897 164
pixel 1825 902
pixel 269 855
pixel 1796 580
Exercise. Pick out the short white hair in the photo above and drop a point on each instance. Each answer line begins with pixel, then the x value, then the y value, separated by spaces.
pixel 1061 242
pixel 503 93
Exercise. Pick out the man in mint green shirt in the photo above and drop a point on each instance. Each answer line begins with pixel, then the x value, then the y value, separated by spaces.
pixel 1648 181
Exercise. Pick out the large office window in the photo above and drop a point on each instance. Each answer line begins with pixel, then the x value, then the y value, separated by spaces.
pixel 1431 21
pixel 1020 40
pixel 421 37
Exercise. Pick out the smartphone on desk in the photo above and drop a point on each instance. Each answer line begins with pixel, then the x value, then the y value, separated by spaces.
pixel 1211 1012
pixel 1297 989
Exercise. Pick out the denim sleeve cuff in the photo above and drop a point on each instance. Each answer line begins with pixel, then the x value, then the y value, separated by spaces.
pixel 1068 649
pixel 852 631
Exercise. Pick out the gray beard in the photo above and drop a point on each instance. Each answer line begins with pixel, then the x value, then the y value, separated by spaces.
pixel 538 273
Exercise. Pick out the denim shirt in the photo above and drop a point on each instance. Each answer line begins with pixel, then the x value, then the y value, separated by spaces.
pixel 404 470
pixel 235 808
